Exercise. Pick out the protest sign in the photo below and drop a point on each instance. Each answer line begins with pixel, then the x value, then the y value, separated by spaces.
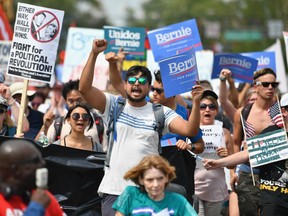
pixel 168 142
pixel 268 148
pixel 35 42
pixel 131 39
pixel 179 73
pixel 242 67
pixel 5 47
pixel 213 137
pixel 174 39
pixel 78 48
pixel 265 59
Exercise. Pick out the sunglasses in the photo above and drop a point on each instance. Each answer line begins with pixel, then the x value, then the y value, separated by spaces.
pixel 158 90
pixel 84 116
pixel 2 110
pixel 141 80
pixel 267 84
pixel 210 106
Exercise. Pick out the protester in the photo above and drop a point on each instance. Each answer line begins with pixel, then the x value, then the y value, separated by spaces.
pixel 151 175
pixel 182 160
pixel 79 117
pixel 38 99
pixel 7 127
pixel 58 128
pixel 35 118
pixel 19 160
pixel 13 108
pixel 211 186
pixel 263 116
pixel 137 135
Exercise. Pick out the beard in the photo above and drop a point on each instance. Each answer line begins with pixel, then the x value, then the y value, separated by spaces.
pixel 135 99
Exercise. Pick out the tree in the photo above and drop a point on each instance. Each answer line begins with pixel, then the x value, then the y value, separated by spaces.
pixel 244 15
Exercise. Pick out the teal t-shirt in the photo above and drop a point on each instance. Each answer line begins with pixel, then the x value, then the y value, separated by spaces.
pixel 134 202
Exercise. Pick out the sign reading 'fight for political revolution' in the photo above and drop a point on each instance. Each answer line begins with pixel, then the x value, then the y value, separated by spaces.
pixel 35 42
pixel 174 39
pixel 131 39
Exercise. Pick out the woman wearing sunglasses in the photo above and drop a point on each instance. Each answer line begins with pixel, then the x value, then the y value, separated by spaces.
pixel 211 186
pixel 79 118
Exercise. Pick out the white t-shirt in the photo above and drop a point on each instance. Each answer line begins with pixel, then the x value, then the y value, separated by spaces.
pixel 136 138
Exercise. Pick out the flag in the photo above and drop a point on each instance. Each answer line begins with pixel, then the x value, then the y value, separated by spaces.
pixel 276 115
pixel 6 32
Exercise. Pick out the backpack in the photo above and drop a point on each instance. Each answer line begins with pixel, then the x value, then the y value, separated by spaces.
pixel 114 115
pixel 58 123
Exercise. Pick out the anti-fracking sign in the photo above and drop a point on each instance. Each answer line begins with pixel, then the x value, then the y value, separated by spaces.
pixel 35 42
pixel 268 148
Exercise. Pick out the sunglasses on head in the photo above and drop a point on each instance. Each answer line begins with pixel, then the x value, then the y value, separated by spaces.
pixel 267 84
pixel 84 116
pixel 2 110
pixel 210 106
pixel 158 90
pixel 141 80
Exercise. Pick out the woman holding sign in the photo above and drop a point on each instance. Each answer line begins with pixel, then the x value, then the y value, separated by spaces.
pixel 211 186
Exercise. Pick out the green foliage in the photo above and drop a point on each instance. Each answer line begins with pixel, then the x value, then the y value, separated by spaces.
pixel 232 14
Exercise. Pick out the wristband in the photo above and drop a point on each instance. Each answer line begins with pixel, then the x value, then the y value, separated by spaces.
pixel 222 78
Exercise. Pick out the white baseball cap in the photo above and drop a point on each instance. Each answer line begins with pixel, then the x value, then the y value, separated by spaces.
pixel 284 100
pixel 17 88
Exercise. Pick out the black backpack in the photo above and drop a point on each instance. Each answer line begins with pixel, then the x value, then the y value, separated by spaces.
pixel 58 123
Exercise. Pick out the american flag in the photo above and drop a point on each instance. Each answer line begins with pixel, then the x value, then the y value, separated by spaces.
pixel 276 115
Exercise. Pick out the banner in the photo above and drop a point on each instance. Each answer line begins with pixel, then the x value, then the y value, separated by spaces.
pixel 265 59
pixel 242 67
pixel 131 39
pixel 78 48
pixel 35 42
pixel 268 148
pixel 179 73
pixel 6 32
pixel 174 39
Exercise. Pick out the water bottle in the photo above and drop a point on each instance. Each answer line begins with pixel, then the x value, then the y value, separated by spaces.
pixel 43 140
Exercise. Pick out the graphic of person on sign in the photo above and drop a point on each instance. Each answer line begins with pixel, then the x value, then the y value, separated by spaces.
pixel 50 32
pixel 37 22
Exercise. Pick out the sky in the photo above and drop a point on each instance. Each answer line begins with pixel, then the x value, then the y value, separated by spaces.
pixel 115 10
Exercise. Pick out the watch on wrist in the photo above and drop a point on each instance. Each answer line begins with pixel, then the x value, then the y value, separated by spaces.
pixel 222 78
pixel 193 147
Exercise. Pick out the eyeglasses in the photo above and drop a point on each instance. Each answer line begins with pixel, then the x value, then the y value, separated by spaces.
pixel 2 110
pixel 141 80
pixel 210 106
pixel 85 116
pixel 158 90
pixel 267 84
